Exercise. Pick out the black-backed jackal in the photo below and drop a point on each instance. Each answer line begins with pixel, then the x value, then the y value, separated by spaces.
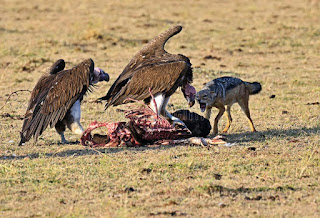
pixel 225 91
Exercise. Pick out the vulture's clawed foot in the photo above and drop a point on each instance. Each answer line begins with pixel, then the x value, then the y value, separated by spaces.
pixel 64 142
pixel 178 124
pixel 63 139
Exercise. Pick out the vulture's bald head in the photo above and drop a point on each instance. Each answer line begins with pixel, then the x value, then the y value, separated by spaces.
pixel 99 75
pixel 189 93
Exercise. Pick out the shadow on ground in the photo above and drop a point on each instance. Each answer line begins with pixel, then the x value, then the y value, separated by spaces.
pixel 83 151
pixel 231 138
pixel 264 135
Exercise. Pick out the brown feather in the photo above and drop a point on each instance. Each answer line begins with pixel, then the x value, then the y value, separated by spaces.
pixel 145 80
pixel 53 96
pixel 156 46
pixel 154 68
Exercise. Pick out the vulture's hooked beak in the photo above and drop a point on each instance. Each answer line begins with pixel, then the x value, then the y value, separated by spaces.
pixel 189 93
pixel 191 100
pixel 103 76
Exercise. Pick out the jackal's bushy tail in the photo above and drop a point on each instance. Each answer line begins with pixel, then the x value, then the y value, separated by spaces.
pixel 254 88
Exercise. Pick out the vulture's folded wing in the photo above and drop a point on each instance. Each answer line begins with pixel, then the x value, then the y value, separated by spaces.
pixel 53 96
pixel 160 77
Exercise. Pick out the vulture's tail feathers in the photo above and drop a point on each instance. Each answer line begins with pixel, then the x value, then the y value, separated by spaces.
pixel 22 140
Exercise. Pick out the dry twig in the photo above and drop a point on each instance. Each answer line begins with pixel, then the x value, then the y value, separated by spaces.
pixel 15 92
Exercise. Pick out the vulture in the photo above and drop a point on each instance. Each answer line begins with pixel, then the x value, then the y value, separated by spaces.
pixel 154 72
pixel 55 100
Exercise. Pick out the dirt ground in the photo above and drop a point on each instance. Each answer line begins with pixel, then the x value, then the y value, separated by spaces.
pixel 273 172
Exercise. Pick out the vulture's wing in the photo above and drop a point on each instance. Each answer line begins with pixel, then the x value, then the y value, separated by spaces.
pixel 156 46
pixel 53 96
pixel 57 67
pixel 153 50
pixel 45 79
pixel 160 77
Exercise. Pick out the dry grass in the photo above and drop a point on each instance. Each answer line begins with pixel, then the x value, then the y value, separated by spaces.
pixel 274 172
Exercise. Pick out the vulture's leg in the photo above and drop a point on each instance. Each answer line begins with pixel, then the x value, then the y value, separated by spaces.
pixel 73 118
pixel 165 113
pixel 60 128
pixel 63 139
pixel 160 108
pixel 156 107
pixel 76 128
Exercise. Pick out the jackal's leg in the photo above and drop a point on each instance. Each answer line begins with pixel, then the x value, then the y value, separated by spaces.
pixel 207 113
pixel 216 120
pixel 244 104
pixel 229 119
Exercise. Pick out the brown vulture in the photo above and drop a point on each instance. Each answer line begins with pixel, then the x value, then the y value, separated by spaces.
pixel 56 98
pixel 155 69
